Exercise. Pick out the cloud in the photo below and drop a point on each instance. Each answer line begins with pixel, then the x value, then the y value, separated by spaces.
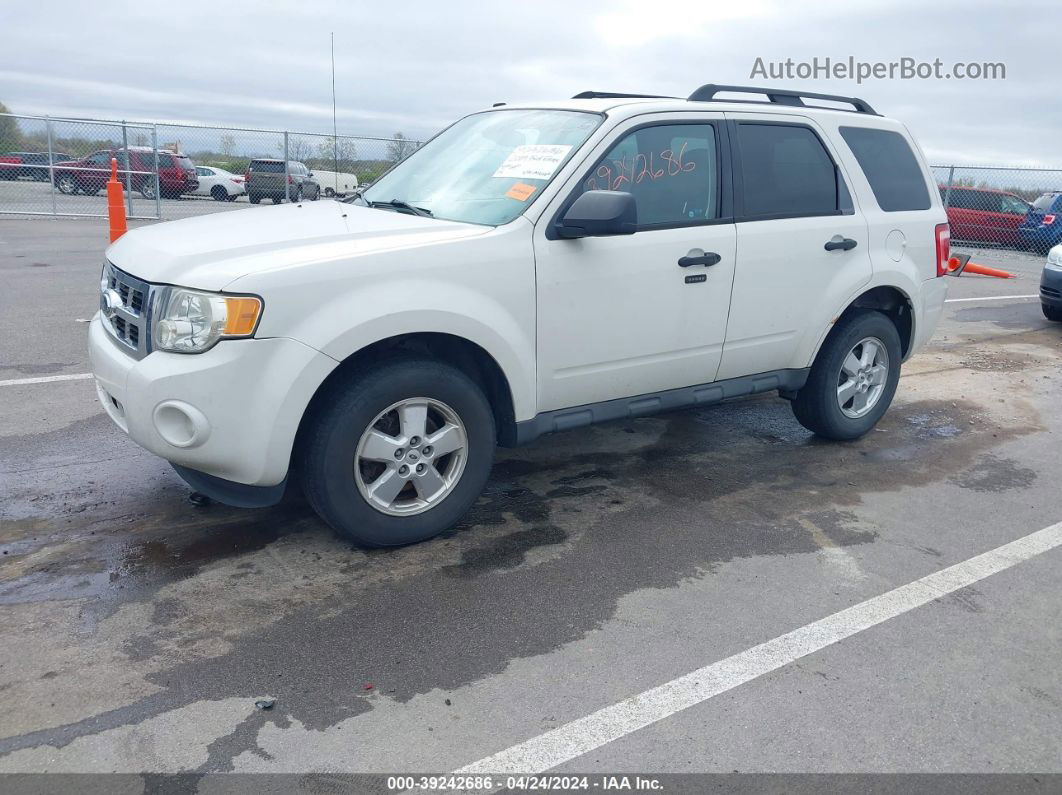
pixel 414 66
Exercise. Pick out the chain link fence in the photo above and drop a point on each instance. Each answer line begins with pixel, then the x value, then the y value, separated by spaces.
pixel 56 166
pixel 1019 209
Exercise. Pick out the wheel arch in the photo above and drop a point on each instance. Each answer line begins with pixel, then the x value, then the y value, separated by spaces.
pixel 461 353
pixel 889 299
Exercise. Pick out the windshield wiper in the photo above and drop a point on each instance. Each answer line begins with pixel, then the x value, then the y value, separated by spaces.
pixel 398 204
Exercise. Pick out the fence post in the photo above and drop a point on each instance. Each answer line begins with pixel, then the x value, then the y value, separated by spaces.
pixel 155 158
pixel 287 176
pixel 947 190
pixel 128 166
pixel 51 162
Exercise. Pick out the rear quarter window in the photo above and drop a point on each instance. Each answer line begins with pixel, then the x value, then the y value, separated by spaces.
pixel 890 167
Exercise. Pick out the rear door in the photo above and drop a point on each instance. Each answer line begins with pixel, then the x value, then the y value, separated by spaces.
pixel 801 248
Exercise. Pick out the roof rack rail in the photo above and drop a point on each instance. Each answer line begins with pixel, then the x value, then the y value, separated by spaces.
pixel 780 96
pixel 613 95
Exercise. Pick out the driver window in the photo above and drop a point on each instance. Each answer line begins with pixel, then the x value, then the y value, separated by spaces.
pixel 670 169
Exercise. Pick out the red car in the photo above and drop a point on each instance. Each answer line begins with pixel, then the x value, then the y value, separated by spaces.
pixel 176 172
pixel 984 215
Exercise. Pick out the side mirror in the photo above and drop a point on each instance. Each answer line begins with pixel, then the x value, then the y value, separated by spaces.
pixel 598 213
pixel 309 173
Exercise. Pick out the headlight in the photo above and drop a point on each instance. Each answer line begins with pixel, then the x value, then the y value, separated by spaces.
pixel 1054 256
pixel 190 321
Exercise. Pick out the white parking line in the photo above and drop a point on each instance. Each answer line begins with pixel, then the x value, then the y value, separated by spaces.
pixel 988 298
pixel 46 379
pixel 574 739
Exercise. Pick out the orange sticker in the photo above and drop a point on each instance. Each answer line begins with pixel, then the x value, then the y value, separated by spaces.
pixel 521 191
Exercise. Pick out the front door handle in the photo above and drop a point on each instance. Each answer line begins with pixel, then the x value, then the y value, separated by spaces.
pixel 707 258
pixel 844 244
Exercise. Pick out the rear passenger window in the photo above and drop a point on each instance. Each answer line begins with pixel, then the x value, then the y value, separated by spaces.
pixel 786 173
pixel 890 167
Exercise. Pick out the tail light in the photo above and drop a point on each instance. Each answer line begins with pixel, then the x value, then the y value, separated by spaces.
pixel 1048 220
pixel 291 181
pixel 246 175
pixel 943 232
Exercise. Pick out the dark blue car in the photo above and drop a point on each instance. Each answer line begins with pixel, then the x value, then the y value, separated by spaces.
pixel 1042 227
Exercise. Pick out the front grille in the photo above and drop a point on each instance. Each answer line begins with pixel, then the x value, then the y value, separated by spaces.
pixel 1051 292
pixel 125 302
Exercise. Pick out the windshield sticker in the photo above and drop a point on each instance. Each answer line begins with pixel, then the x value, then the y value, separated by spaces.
pixel 521 191
pixel 533 161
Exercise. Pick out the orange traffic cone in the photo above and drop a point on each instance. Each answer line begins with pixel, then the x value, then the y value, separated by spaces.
pixel 960 264
pixel 116 204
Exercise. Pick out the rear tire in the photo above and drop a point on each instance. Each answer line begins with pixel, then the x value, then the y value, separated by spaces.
pixel 254 198
pixel 276 199
pixel 1052 313
pixel 219 193
pixel 66 184
pixel 845 397
pixel 342 482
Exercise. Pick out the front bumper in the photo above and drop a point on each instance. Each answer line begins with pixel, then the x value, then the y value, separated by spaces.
pixel 231 412
pixel 1051 287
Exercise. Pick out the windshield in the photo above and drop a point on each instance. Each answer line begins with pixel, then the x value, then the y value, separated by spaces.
pixel 486 168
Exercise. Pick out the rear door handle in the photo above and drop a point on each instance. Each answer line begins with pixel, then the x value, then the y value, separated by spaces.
pixel 707 258
pixel 844 244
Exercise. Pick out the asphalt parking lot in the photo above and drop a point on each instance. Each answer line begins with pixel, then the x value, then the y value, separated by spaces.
pixel 139 630
pixel 27 196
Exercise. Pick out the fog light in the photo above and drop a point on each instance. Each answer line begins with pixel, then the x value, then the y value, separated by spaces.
pixel 181 424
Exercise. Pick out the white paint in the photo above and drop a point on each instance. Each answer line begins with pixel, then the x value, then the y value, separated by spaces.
pixel 599 728
pixel 46 379
pixel 989 298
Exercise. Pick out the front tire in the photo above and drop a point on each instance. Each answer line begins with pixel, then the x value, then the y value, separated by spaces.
pixel 853 379
pixel 1052 313
pixel 398 453
pixel 254 198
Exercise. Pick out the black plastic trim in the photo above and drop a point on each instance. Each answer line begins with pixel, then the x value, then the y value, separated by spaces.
pixel 780 96
pixel 724 168
pixel 617 95
pixel 227 492
pixel 657 402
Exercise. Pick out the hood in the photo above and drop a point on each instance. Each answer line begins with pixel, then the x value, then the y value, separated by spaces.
pixel 212 251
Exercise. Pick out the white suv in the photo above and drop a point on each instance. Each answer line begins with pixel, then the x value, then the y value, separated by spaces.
pixel 530 269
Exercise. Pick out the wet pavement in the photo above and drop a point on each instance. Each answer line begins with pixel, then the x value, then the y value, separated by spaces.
pixel 139 629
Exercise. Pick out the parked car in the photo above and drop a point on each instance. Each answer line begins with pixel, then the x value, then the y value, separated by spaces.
pixel 1042 227
pixel 1051 285
pixel 984 215
pixel 10 166
pixel 530 269
pixel 336 183
pixel 33 165
pixel 266 177
pixel 221 184
pixel 176 173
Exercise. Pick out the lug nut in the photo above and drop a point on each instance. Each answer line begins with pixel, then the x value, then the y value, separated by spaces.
pixel 420 469
pixel 403 470
pixel 399 452
pixel 414 441
pixel 427 450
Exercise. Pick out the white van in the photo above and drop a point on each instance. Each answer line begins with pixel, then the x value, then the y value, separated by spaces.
pixel 336 183
pixel 531 269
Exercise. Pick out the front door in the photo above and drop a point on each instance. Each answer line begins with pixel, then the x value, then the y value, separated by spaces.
pixel 621 316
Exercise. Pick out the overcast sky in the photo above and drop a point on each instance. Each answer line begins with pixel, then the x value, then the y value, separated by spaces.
pixel 415 66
